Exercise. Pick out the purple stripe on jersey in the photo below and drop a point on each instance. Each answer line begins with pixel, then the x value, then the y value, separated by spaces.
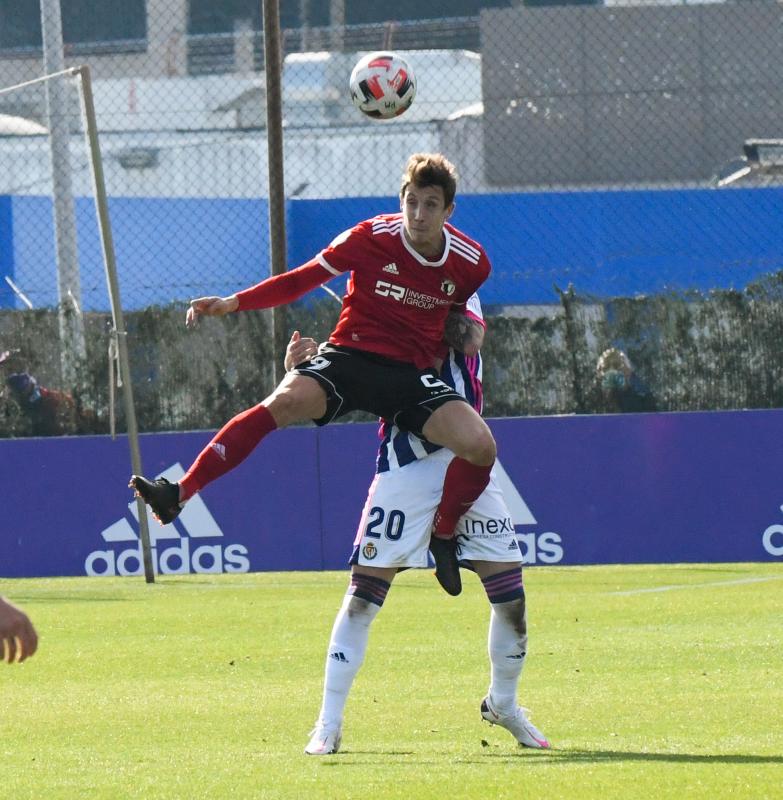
pixel 504 586
pixel 473 364
pixel 382 462
pixel 470 368
pixel 369 588
pixel 402 449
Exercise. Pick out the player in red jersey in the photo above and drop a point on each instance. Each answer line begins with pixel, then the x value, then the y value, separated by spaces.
pixel 407 271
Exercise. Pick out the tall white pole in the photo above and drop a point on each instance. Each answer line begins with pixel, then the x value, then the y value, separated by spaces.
pixel 110 264
pixel 69 293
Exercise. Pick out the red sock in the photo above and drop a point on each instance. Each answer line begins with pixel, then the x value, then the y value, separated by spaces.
pixel 462 486
pixel 232 444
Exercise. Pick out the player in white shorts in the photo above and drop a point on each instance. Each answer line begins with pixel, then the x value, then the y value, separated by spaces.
pixel 396 523
pixel 394 533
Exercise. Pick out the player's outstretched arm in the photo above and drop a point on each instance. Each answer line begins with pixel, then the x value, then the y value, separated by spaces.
pixel 18 638
pixel 277 290
pixel 210 307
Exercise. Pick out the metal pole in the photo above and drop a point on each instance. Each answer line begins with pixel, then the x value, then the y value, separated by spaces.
pixel 73 348
pixel 337 25
pixel 336 73
pixel 304 24
pixel 107 243
pixel 274 132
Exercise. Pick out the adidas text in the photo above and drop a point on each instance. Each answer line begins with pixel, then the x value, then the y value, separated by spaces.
pixel 186 546
pixel 542 548
pixel 176 560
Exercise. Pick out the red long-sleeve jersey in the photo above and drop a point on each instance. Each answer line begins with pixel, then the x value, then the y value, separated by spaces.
pixel 396 301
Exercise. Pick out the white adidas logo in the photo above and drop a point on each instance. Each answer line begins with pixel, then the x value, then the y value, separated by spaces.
pixel 543 548
pixel 220 449
pixel 177 559
pixel 391 269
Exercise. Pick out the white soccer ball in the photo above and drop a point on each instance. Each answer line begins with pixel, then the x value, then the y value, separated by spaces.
pixel 382 85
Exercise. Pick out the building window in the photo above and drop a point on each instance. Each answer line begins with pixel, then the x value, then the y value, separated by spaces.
pixel 85 22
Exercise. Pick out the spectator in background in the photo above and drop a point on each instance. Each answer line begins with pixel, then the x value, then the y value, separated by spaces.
pixel 51 412
pixel 617 389
pixel 18 639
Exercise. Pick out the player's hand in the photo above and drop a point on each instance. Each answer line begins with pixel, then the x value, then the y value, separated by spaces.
pixel 300 348
pixel 210 307
pixel 463 333
pixel 18 638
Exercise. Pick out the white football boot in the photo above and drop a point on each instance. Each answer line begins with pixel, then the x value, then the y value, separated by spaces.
pixel 520 727
pixel 323 741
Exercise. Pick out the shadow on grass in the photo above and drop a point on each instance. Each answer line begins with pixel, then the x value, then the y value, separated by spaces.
pixel 349 758
pixel 598 756
pixel 22 600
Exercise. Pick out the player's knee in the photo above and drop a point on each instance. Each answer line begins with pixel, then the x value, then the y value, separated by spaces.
pixel 294 401
pixel 481 448
pixel 361 610
pixel 515 615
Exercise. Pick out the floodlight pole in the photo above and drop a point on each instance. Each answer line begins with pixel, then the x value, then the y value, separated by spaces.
pixel 273 64
pixel 118 331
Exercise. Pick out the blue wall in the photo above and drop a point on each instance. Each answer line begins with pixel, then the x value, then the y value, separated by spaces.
pixel 605 243
pixel 6 252
pixel 167 249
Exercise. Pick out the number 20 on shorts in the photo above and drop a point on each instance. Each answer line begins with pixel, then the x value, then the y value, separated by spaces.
pixel 382 524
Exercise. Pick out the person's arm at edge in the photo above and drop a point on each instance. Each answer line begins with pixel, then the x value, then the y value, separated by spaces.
pixel 18 639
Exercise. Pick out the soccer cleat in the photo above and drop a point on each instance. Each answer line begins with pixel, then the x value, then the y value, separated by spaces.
pixel 444 551
pixel 323 741
pixel 160 495
pixel 520 727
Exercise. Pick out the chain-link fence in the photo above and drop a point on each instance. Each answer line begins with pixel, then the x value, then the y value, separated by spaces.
pixel 603 162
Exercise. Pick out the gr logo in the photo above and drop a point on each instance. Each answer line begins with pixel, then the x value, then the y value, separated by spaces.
pixel 200 548
pixel 386 289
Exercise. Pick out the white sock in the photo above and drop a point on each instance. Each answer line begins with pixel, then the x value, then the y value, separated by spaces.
pixel 345 655
pixel 507 650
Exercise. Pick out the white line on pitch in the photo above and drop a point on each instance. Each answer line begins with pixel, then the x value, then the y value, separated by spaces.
pixel 675 586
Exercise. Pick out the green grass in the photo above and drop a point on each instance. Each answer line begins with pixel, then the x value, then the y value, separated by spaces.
pixel 207 687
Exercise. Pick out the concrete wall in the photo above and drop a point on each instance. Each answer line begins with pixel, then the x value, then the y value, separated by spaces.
pixel 627 94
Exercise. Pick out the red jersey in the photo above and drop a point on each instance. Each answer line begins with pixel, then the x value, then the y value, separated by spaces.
pixel 397 301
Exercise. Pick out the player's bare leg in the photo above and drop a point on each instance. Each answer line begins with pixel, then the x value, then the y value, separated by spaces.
pixel 347 646
pixel 461 429
pixel 298 397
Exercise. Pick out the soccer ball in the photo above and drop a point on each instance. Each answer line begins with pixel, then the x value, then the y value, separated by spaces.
pixel 382 85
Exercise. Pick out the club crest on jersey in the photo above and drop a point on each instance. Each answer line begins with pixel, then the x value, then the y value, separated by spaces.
pixel 448 288
pixel 369 551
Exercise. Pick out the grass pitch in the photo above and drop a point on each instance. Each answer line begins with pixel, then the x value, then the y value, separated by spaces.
pixel 650 681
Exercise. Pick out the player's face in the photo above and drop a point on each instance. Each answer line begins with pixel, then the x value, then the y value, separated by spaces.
pixel 424 212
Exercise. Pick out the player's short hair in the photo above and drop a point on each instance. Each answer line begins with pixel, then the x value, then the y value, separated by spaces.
pixel 430 169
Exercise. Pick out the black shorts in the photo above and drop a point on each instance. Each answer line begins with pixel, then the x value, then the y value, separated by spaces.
pixel 355 380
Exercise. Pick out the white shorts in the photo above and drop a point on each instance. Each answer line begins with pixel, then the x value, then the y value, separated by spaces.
pixel 396 523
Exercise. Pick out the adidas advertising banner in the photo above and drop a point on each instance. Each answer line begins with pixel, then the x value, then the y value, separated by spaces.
pixel 644 488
